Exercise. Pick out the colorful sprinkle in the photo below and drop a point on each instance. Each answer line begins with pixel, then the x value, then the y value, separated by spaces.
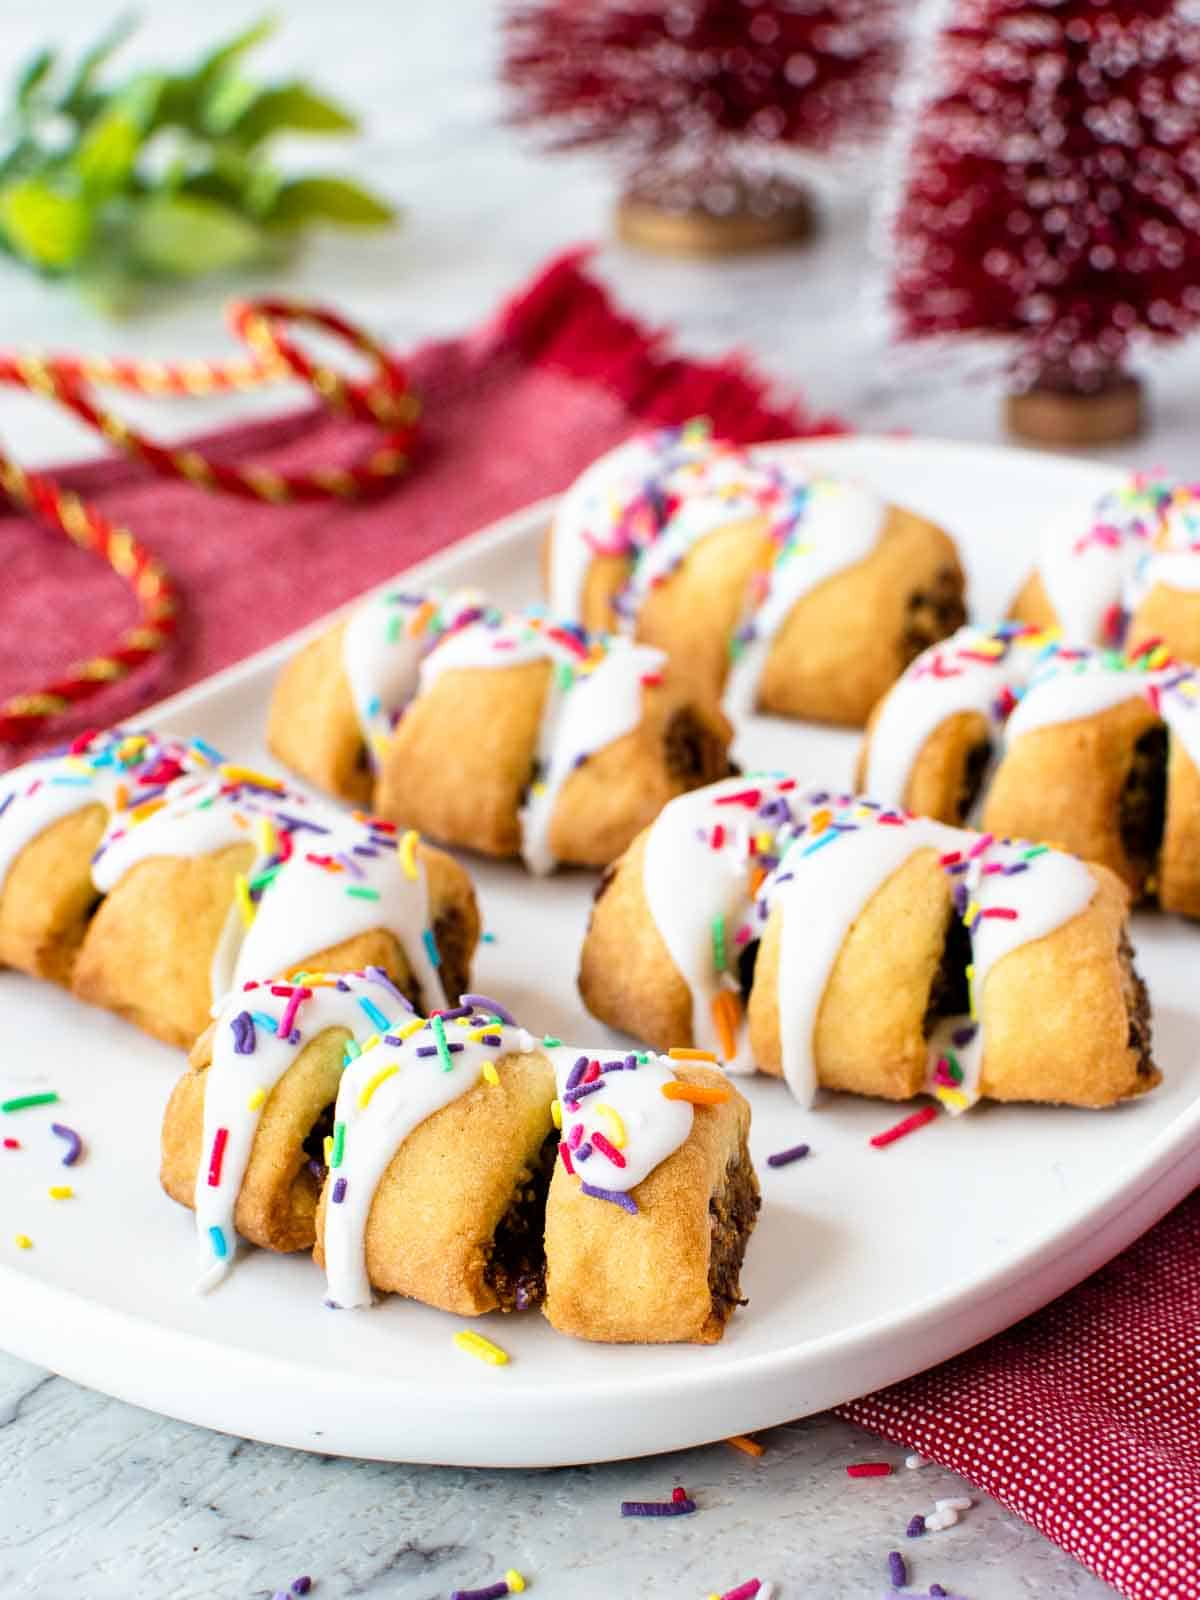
pixel 24 1102
pixel 74 1143
pixel 658 1508
pixel 698 1094
pixel 784 1158
pixel 869 1469
pixel 615 1196
pixel 23 1242
pixel 217 1159
pixel 219 1247
pixel 61 1191
pixel 408 853
pixel 746 1445
pixel 482 1349
pixel 897 1571
pixel 901 1129
pixel 368 1089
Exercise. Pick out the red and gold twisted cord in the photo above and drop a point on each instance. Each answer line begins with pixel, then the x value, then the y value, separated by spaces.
pixel 384 400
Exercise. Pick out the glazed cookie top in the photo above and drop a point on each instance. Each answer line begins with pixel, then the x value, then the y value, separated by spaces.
pixel 399 644
pixel 1019 679
pixel 126 771
pixel 261 1029
pixel 1102 556
pixel 721 862
pixel 318 876
pixel 656 497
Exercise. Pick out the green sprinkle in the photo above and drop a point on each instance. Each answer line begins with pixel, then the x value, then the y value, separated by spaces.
pixel 551 1042
pixel 564 674
pixel 1038 850
pixel 439 1038
pixel 956 1072
pixel 339 1144
pixel 736 646
pixel 363 894
pixel 393 630
pixel 353 1051
pixel 24 1101
pixel 263 880
pixel 642 1057
pixel 718 944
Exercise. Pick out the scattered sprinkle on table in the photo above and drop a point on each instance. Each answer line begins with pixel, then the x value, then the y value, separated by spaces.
pixel 23 1102
pixel 869 1469
pixel 905 1126
pixel 682 1507
pixel 916 1527
pixel 12 1144
pixel 302 1584
pixel 74 1143
pixel 511 1583
pixel 749 1447
pixel 24 1242
pixel 897 1571
pixel 784 1158
pixel 482 1349
pixel 61 1191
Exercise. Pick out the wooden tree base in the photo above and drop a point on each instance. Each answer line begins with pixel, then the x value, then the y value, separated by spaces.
pixel 649 226
pixel 1058 417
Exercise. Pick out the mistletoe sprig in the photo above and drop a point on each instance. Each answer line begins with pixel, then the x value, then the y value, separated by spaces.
pixel 165 174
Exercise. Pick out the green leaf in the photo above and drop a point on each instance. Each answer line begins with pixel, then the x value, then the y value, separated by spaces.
pixel 107 151
pixel 184 235
pixel 288 107
pixel 32 74
pixel 47 226
pixel 218 62
pixel 337 200
pixel 186 99
pixel 78 99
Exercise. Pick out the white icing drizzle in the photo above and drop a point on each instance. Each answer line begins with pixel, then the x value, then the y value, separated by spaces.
pixel 821 528
pixel 1069 693
pixel 637 1123
pixel 119 770
pixel 389 1090
pixel 251 1052
pixel 382 651
pixel 835 853
pixel 594 697
pixel 318 878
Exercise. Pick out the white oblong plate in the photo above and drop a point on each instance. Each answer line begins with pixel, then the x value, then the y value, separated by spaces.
pixel 867 1265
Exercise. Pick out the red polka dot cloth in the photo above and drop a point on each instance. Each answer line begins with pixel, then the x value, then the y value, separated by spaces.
pixel 1085 1418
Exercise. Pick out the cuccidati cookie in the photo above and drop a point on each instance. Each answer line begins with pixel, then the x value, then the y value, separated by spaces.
pixel 462 1162
pixel 842 944
pixel 503 732
pixel 1093 750
pixel 150 876
pixel 782 590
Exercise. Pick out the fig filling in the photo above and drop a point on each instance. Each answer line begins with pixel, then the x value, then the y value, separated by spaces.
pixel 314 1145
pixel 1143 803
pixel 747 962
pixel 732 1214
pixel 450 936
pixel 1137 1008
pixel 974 770
pixel 948 996
pixel 932 613
pixel 694 752
pixel 516 1266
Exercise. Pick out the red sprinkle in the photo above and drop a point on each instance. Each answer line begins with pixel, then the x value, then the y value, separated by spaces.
pixel 607 1148
pixel 1005 913
pixel 744 797
pixel 12 1144
pixel 566 1159
pixel 591 1072
pixel 869 1469
pixel 890 1135
pixel 679 1493
pixel 220 1139
pixel 718 836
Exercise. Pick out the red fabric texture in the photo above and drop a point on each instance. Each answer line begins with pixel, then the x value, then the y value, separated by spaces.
pixel 1085 1419
pixel 510 414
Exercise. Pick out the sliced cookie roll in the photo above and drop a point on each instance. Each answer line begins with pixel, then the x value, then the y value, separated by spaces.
pixel 786 591
pixel 503 732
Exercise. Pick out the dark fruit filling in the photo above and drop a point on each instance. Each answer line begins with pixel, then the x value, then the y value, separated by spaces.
pixel 516 1268
pixel 731 1218
pixel 695 754
pixel 930 614
pixel 974 768
pixel 314 1144
pixel 1143 803
pixel 1137 1006
pixel 948 995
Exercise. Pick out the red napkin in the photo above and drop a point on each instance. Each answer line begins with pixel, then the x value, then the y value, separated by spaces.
pixel 1085 1419
pixel 510 414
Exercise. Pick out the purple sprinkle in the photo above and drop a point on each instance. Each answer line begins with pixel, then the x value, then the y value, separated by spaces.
pixel 280 1594
pixel 583 1152
pixel 302 1585
pixel 379 976
pixel 915 1528
pixel 781 1158
pixel 1018 866
pixel 74 1142
pixel 483 1002
pixel 576 1072
pixel 432 1049
pixel 656 1508
pixel 350 864
pixel 343 986
pixel 365 850
pixel 494 1591
pixel 490 1038
pixel 937 1590
pixel 458 1011
pixel 339 1191
pixel 963 1036
pixel 244 1038
pixel 294 1036
pixel 625 1201
pixel 785 877
pixel 585 1089
pixel 897 1571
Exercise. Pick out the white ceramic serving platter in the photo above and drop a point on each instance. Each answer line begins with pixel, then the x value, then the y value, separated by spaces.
pixel 867 1265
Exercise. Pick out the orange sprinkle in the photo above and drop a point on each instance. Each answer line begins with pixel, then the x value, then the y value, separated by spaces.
pixel 121 797
pixel 699 1094
pixel 726 1015
pixel 419 618
pixel 758 878
pixel 678 1053
pixel 750 1447
pixel 146 809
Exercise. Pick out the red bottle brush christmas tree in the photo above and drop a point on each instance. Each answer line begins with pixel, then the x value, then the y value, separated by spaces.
pixel 1052 197
pixel 704 101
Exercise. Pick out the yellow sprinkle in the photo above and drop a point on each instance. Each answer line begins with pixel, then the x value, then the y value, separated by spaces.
pixel 971 912
pixel 616 1127
pixel 146 809
pixel 131 746
pixel 538 789
pixel 763 842
pixel 372 1083
pixel 77 764
pixel 409 1028
pixel 747 1446
pixel 490 1073
pixel 556 1113
pixel 328 1149
pixel 369 1044
pixel 245 905
pixel 476 1345
pixel 61 1191
pixel 257 1099
pixel 408 853
pixel 268 839
pixel 970 975
pixel 514 1580
pixel 24 1242
pixel 953 1097
pixel 249 775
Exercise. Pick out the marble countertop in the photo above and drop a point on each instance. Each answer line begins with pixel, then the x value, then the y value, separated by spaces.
pixel 101 1501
